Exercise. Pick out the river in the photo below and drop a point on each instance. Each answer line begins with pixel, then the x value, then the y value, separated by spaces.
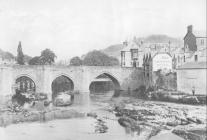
pixel 75 128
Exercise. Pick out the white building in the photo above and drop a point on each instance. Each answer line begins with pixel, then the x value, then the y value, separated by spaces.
pixel 162 61
pixel 192 75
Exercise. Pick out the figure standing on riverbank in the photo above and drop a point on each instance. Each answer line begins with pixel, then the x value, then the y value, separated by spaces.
pixel 193 90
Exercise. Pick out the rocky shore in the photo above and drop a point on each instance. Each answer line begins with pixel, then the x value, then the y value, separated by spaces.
pixel 39 113
pixel 146 119
pixel 150 118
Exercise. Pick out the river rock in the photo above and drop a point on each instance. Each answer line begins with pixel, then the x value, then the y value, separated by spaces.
pixel 190 100
pixel 91 114
pixel 63 99
pixel 188 135
pixel 129 123
pixel 166 136
pixel 175 123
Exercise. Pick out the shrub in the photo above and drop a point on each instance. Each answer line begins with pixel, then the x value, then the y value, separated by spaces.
pixel 142 92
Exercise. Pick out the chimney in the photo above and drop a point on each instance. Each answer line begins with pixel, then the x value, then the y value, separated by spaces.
pixel 190 29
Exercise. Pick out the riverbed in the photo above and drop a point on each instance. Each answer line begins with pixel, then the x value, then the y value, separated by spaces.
pixel 103 125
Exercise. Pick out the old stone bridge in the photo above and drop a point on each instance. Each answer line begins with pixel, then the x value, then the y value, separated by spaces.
pixel 81 77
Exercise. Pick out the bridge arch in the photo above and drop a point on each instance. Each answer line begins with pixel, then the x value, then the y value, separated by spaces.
pixel 61 83
pixel 24 83
pixel 110 76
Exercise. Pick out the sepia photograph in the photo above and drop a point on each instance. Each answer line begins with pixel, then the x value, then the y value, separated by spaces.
pixel 103 70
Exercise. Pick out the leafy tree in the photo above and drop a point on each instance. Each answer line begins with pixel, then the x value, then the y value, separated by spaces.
pixel 76 61
pixel 20 55
pixel 35 61
pixel 27 58
pixel 8 55
pixel 47 57
pixel 97 58
pixel 160 82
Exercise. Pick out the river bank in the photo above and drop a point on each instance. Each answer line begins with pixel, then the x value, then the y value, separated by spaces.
pixel 186 121
pixel 140 118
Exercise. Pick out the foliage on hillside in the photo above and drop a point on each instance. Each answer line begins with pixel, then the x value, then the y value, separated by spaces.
pixel 114 50
pixel 76 61
pixel 165 80
pixel 98 58
pixel 162 39
pixel 6 55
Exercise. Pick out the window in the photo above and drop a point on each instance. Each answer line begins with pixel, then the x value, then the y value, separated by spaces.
pixel 202 42
pixel 184 59
pixel 123 58
pixel 196 58
pixel 134 53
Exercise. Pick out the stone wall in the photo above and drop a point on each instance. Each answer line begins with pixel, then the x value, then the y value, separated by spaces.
pixel 189 78
pixel 82 77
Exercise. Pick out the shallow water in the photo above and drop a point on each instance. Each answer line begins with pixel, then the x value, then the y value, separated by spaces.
pixel 73 129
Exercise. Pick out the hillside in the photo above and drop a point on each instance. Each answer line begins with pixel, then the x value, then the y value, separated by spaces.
pixel 114 50
pixel 162 39
pixel 6 55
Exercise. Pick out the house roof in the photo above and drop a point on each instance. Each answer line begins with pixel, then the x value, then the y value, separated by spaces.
pixel 130 46
pixel 193 65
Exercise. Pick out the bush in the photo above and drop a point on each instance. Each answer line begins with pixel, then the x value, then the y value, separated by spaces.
pixel 98 58
pixel 76 61
pixel 141 91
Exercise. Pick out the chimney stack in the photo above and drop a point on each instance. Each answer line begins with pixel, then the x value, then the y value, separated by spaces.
pixel 190 29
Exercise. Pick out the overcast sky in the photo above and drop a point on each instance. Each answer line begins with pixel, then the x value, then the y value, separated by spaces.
pixel 74 27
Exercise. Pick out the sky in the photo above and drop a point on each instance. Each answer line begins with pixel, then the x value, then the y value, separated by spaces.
pixel 74 27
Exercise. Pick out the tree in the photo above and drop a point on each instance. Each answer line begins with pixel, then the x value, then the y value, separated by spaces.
pixel 35 61
pixel 97 58
pixel 160 81
pixel 76 61
pixel 20 55
pixel 27 58
pixel 47 57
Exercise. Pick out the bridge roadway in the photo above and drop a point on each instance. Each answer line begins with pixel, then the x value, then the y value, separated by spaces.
pixel 81 76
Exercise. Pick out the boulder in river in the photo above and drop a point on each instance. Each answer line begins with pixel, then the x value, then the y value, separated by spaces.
pixel 129 123
pixel 63 99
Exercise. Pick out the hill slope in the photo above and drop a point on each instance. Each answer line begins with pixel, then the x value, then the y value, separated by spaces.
pixel 114 50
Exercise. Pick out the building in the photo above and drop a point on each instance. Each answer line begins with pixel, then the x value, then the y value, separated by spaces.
pixel 134 52
pixel 163 61
pixel 147 69
pixel 191 70
pixel 192 76
pixel 130 55
pixel 194 49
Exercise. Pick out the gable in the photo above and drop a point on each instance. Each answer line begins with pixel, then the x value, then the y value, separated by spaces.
pixel 189 35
